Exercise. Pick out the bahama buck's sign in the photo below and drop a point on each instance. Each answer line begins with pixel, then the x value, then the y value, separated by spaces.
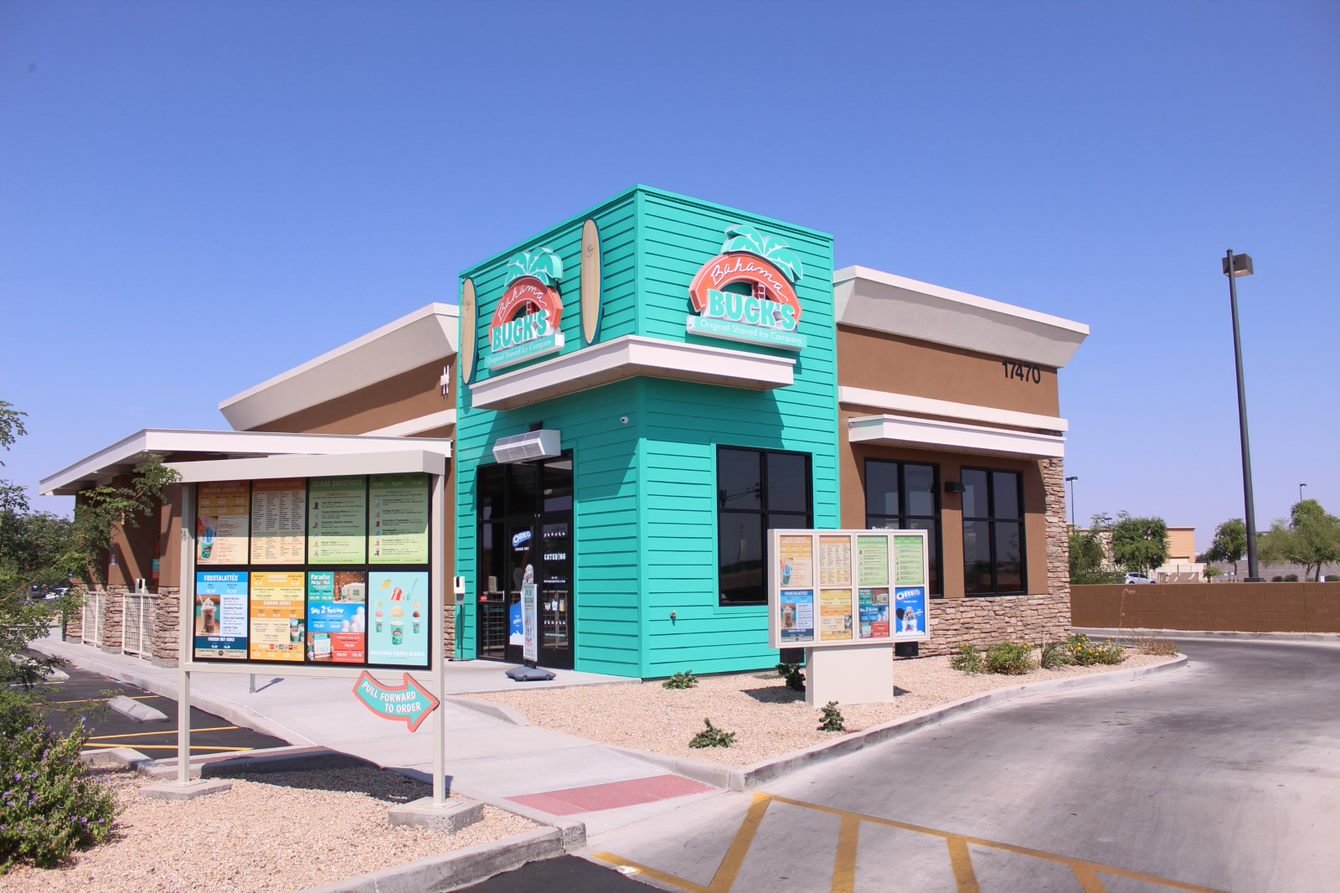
pixel 747 293
pixel 526 323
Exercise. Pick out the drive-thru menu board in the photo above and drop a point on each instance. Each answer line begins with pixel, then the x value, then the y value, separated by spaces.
pixel 315 571
pixel 847 587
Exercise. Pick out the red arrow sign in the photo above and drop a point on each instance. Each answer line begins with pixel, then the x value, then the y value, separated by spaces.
pixel 409 700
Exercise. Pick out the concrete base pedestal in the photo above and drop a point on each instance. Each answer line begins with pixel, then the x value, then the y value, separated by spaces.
pixel 449 817
pixel 201 787
pixel 860 674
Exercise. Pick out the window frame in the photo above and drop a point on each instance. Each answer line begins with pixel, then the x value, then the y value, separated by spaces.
pixel 763 513
pixel 902 516
pixel 992 521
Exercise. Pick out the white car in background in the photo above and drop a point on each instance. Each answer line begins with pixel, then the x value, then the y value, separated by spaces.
pixel 1138 579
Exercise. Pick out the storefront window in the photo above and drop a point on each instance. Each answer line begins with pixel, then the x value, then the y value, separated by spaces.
pixel 757 491
pixel 993 532
pixel 905 495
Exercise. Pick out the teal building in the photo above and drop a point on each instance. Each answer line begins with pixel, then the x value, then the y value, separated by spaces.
pixel 644 390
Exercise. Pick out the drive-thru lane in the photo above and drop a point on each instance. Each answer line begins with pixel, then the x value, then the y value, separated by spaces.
pixel 1224 775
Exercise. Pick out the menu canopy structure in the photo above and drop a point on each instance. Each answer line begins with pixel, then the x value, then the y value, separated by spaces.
pixel 846 596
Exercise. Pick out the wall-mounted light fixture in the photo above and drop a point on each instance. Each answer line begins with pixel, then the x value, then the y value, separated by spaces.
pixel 953 486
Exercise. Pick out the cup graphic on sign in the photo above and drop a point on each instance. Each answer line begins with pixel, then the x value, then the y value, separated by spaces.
pixel 207 541
pixel 786 572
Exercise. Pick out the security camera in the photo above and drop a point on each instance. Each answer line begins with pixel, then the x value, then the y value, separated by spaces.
pixel 623 420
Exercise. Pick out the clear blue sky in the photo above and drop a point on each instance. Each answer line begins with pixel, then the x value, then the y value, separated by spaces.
pixel 194 197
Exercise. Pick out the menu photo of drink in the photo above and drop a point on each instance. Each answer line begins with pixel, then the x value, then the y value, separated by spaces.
pixel 223 517
pixel 278 615
pixel 796 561
pixel 835 621
pixel 399 522
pixel 220 615
pixel 337 520
pixel 399 633
pixel 278 521
pixel 797 616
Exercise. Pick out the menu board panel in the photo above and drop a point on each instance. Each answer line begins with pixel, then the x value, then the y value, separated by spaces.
pixel 337 519
pixel 337 617
pixel 222 522
pixel 278 521
pixel 399 531
pixel 399 634
pixel 220 612
pixel 278 621
pixel 835 615
pixel 847 587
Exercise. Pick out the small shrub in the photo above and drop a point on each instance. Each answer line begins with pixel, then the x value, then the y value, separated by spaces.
pixel 712 737
pixel 795 677
pixel 1290 578
pixel 968 659
pixel 832 720
pixel 1087 652
pixel 1160 647
pixel 1277 579
pixel 1333 578
pixel 1056 655
pixel 682 680
pixel 49 807
pixel 1009 659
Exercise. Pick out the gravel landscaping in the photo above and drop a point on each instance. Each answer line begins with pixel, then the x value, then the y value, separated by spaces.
pixel 768 718
pixel 280 831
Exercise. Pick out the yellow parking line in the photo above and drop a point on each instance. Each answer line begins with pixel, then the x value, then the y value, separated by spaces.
pixel 739 847
pixel 174 747
pixel 844 863
pixel 961 860
pixel 653 873
pixel 160 732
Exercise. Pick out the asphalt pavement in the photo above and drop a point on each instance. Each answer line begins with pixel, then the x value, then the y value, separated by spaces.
pixel 1224 775
pixel 87 695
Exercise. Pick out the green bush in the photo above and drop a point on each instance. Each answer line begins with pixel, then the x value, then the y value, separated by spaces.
pixel 968 659
pixel 795 677
pixel 49 807
pixel 1290 578
pixel 832 719
pixel 1009 659
pixel 1087 652
pixel 1333 578
pixel 1277 579
pixel 685 679
pixel 1056 655
pixel 712 737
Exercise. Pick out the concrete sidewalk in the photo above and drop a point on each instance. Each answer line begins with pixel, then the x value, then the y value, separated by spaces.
pixel 556 778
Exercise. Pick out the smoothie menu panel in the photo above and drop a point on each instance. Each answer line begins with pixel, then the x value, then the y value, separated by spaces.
pixel 399 533
pixel 337 521
pixel 278 624
pixel 220 612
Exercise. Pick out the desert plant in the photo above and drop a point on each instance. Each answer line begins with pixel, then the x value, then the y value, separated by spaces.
pixel 795 677
pixel 1056 655
pixel 49 807
pixel 1333 578
pixel 967 659
pixel 1290 578
pixel 682 680
pixel 832 719
pixel 1009 659
pixel 712 737
pixel 1157 646
pixel 1088 653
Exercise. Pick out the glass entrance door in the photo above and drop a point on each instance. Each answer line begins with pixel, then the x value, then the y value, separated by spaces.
pixel 525 535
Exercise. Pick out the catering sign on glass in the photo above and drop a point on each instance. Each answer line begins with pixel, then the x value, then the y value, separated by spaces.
pixel 830 588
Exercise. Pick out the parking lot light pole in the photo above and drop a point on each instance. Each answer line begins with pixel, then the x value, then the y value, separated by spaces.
pixel 1071 481
pixel 1300 492
pixel 1235 266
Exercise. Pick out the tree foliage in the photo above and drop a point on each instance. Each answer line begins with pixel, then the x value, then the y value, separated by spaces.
pixel 1087 562
pixel 1229 544
pixel 1310 538
pixel 1139 544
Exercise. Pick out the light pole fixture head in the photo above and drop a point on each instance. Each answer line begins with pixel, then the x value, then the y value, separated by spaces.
pixel 1073 477
pixel 1242 265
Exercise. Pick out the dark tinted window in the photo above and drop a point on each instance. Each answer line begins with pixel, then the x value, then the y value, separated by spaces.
pixel 993 533
pixel 914 488
pixel 757 491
